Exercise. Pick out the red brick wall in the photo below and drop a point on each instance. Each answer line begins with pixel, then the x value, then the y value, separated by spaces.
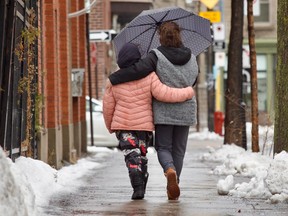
pixel 50 64
pixel 74 27
pixel 100 20
pixel 78 47
pixel 82 57
pixel 62 50
pixel 63 64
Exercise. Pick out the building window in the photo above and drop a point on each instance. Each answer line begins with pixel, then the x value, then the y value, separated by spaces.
pixel 264 12
pixel 261 81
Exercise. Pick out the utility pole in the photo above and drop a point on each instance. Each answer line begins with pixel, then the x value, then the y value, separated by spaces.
pixel 89 71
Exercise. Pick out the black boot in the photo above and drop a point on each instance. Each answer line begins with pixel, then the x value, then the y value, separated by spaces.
pixel 136 178
pixel 144 162
pixel 145 180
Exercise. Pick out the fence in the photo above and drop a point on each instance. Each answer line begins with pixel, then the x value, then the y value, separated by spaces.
pixel 14 18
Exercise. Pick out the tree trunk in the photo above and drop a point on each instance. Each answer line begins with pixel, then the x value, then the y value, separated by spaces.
pixel 235 127
pixel 281 108
pixel 253 71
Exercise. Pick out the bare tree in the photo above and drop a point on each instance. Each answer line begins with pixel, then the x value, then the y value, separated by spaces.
pixel 235 124
pixel 281 108
pixel 253 72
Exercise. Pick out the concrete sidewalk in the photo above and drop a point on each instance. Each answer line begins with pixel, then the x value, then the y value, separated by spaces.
pixel 107 191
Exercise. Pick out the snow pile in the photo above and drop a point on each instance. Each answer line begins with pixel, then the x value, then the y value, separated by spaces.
pixel 225 185
pixel 256 187
pixel 27 184
pixel 277 178
pixel 39 175
pixel 243 163
pixel 16 195
pixel 205 135
pixel 269 177
pixel 221 154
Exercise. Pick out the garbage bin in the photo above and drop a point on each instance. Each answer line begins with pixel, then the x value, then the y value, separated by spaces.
pixel 218 122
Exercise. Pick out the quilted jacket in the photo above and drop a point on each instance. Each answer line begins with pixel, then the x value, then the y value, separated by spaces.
pixel 128 106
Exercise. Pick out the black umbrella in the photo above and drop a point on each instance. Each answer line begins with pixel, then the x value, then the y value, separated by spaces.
pixel 142 30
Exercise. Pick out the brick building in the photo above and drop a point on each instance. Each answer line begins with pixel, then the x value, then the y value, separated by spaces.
pixel 63 134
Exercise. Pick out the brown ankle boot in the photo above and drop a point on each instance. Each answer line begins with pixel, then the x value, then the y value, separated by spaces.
pixel 173 190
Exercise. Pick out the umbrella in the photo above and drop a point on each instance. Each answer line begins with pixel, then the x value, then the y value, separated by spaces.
pixel 142 30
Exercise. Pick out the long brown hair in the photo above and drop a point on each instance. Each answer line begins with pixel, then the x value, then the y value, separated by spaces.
pixel 169 33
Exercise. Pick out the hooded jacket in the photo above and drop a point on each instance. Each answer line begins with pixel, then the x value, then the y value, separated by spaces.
pixel 128 106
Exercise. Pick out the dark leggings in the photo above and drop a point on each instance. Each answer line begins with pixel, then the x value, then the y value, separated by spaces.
pixel 170 144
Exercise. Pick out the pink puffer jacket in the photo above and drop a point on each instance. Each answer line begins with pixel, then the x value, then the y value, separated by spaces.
pixel 128 106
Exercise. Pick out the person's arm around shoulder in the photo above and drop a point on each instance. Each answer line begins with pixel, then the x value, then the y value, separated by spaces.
pixel 168 94
pixel 137 71
pixel 109 104
pixel 196 68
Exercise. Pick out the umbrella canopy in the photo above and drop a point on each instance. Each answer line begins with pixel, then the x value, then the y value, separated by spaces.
pixel 142 30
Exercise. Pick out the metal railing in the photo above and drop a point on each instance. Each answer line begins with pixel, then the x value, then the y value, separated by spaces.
pixel 13 105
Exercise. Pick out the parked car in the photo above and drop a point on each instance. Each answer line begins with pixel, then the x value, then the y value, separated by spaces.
pixel 102 137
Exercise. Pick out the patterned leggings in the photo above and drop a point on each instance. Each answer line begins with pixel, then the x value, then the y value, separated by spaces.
pixel 134 146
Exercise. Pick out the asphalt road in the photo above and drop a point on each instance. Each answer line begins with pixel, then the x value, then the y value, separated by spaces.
pixel 107 191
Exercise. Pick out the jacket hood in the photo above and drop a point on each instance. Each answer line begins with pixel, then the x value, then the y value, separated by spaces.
pixel 128 55
pixel 177 56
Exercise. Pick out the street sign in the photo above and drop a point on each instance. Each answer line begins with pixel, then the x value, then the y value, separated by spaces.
pixel 218 32
pixel 213 16
pixel 209 3
pixel 220 59
pixel 101 35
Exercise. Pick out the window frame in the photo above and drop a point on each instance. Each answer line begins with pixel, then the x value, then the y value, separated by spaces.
pixel 266 24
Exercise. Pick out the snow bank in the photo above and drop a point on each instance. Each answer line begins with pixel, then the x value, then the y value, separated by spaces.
pixel 269 177
pixel 16 195
pixel 27 184
pixel 205 135
pixel 277 178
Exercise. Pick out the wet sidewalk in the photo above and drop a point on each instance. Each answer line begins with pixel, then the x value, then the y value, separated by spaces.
pixel 107 191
